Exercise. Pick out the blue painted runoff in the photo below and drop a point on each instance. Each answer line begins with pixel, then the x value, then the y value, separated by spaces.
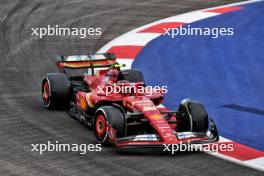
pixel 226 74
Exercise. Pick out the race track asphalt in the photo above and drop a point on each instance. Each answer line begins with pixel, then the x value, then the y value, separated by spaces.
pixel 24 60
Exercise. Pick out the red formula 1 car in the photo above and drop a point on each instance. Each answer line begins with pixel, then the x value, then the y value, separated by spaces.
pixel 122 118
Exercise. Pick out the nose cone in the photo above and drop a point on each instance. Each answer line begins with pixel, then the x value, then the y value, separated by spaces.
pixel 161 126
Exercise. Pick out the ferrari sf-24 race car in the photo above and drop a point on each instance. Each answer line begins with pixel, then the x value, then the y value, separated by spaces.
pixel 124 120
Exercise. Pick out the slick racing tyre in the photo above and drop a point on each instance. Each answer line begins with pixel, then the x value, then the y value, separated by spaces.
pixel 108 117
pixel 131 76
pixel 56 91
pixel 193 117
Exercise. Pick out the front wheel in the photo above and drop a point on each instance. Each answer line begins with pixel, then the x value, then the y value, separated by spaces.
pixel 193 117
pixel 105 118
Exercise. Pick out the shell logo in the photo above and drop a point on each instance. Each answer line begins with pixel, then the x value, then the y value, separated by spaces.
pixel 155 116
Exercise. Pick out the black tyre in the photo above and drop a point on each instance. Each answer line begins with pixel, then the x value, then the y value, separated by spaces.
pixel 56 91
pixel 193 117
pixel 131 75
pixel 105 116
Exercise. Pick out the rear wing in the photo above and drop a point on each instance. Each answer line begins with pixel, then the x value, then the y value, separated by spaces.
pixel 86 61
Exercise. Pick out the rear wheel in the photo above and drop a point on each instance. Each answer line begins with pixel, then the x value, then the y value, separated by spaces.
pixel 108 117
pixel 56 91
pixel 46 93
pixel 193 117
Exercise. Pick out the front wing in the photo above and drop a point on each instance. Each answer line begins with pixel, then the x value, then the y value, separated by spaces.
pixel 154 141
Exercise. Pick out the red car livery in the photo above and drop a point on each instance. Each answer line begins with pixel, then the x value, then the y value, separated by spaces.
pixel 114 103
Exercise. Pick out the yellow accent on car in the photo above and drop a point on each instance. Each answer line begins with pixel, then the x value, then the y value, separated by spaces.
pixel 117 65
pixel 83 104
pixel 89 100
pixel 155 116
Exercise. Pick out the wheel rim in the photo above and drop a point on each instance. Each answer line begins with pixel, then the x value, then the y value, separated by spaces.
pixel 100 126
pixel 46 92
